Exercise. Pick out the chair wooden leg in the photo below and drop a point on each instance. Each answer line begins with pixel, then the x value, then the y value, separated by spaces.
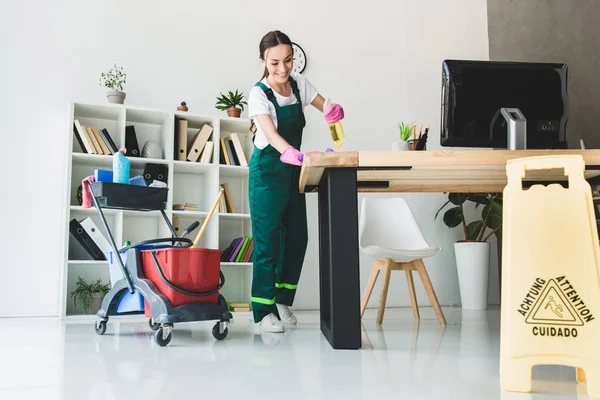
pixel 370 285
pixel 420 267
pixel 384 290
pixel 413 294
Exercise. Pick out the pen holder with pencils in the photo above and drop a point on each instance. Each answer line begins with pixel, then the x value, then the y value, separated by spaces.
pixel 417 144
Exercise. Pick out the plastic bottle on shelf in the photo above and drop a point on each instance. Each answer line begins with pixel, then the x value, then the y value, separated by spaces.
pixel 121 167
pixel 336 130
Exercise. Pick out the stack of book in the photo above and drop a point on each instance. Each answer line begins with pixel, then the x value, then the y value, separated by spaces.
pixel 240 250
pixel 226 202
pixel 185 207
pixel 94 141
pixel 232 152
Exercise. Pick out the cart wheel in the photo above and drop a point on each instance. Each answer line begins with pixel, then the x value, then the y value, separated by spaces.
pixel 153 325
pixel 158 337
pixel 217 334
pixel 100 327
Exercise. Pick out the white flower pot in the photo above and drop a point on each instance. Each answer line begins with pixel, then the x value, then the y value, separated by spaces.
pixel 400 146
pixel 114 96
pixel 473 265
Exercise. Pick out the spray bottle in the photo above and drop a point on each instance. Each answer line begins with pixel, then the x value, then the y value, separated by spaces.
pixel 121 166
pixel 336 130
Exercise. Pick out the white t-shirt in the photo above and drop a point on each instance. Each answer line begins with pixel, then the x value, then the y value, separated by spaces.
pixel 258 103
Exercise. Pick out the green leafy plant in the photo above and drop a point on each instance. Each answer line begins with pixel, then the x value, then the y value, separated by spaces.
pixel 231 100
pixel 406 131
pixel 491 215
pixel 85 292
pixel 114 79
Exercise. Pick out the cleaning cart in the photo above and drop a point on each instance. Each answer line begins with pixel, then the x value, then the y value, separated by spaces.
pixel 177 281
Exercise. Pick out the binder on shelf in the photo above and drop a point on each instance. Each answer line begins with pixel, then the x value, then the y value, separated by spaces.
pixel 85 240
pixel 131 143
pixel 96 235
pixel 199 141
pixel 181 129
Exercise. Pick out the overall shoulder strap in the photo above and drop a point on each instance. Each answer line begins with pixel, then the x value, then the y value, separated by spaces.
pixel 295 89
pixel 268 92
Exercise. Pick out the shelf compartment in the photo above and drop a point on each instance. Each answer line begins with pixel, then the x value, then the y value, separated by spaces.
pixel 200 188
pixel 238 187
pixel 195 123
pixel 241 130
pixel 90 272
pixel 107 117
pixel 150 125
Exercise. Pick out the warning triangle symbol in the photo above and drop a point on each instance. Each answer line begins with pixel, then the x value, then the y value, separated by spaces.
pixel 553 308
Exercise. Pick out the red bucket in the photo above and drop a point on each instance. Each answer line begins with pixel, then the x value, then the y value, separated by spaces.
pixel 193 269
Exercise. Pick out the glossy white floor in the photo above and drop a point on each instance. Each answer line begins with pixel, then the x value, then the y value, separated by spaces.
pixel 49 359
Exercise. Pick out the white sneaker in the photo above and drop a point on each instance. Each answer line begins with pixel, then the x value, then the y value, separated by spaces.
pixel 286 315
pixel 270 323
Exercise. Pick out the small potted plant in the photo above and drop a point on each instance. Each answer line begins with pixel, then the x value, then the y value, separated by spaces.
pixel 89 295
pixel 405 132
pixel 233 103
pixel 114 79
pixel 473 252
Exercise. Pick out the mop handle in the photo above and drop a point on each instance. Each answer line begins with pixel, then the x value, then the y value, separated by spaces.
pixel 205 224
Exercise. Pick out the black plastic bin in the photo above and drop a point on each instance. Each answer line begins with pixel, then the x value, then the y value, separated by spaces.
pixel 130 197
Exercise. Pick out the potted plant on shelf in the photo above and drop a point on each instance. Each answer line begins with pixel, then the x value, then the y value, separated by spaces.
pixel 114 79
pixel 473 252
pixel 90 294
pixel 233 103
pixel 405 132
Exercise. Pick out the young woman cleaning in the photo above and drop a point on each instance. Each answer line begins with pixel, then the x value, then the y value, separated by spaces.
pixel 278 210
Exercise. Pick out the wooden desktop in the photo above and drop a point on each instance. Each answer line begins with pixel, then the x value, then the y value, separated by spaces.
pixel 337 178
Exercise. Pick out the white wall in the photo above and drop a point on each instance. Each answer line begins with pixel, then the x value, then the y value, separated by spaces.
pixel 380 59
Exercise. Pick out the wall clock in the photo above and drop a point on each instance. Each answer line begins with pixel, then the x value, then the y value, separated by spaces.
pixel 299 58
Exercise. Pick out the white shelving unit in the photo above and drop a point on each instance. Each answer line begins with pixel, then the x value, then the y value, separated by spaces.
pixel 190 182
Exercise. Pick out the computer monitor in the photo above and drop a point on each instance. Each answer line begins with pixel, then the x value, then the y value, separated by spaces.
pixel 474 93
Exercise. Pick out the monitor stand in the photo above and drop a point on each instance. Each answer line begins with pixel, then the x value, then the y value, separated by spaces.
pixel 516 132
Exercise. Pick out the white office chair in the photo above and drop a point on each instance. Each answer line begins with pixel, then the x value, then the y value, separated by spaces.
pixel 390 233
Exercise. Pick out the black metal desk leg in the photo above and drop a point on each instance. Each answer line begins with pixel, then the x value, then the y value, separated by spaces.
pixel 338 257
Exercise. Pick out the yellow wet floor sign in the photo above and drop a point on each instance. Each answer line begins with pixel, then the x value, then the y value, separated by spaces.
pixel 550 275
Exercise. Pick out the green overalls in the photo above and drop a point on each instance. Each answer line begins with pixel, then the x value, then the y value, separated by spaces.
pixel 278 214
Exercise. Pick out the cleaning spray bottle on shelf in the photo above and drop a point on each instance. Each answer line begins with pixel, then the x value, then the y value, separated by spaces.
pixel 335 128
pixel 121 166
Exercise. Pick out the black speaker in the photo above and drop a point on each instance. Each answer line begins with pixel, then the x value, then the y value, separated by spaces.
pixel 158 172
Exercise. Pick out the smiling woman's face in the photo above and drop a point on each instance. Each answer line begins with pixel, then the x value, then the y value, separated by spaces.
pixel 279 61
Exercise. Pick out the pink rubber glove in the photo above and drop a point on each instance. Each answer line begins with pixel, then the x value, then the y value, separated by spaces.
pixel 334 113
pixel 291 156
pixel 301 157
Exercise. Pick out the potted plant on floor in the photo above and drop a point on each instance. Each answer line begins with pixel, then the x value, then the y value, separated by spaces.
pixel 405 133
pixel 89 294
pixel 114 79
pixel 233 103
pixel 473 252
